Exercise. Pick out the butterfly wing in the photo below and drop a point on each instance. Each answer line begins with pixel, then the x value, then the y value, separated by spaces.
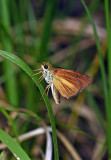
pixel 66 84
pixel 84 79
pixel 69 83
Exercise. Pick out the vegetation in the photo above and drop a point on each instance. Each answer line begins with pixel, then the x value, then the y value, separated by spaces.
pixel 74 35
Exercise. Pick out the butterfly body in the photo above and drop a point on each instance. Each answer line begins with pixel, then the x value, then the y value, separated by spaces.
pixel 47 74
pixel 65 82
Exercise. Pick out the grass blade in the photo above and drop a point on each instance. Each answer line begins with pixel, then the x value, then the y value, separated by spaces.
pixel 47 28
pixel 17 151
pixel 108 27
pixel 28 70
pixel 1 155
pixel 106 95
pixel 11 86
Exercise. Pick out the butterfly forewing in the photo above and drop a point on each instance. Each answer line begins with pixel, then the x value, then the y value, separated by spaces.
pixel 69 83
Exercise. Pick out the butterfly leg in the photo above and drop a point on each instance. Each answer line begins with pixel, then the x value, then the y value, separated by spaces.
pixel 48 87
pixel 50 83
pixel 39 69
pixel 41 78
pixel 37 73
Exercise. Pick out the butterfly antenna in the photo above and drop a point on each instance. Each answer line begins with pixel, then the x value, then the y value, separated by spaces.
pixel 41 54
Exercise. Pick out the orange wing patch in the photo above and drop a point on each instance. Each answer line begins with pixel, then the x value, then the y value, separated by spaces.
pixel 68 86
pixel 69 83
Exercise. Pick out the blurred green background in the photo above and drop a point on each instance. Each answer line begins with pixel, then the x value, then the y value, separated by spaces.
pixel 58 32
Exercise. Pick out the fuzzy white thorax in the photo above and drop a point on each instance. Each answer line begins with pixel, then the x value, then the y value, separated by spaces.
pixel 47 75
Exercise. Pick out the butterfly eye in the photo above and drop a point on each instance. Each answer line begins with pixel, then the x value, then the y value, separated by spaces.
pixel 46 67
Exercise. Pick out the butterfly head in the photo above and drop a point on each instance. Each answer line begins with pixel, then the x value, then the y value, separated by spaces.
pixel 46 67
pixel 47 71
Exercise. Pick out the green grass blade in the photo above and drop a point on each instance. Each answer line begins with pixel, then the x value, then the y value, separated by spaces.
pixel 13 146
pixel 13 128
pixel 31 18
pixel 106 95
pixel 1 155
pixel 99 54
pixel 11 86
pixel 47 28
pixel 108 27
pixel 28 70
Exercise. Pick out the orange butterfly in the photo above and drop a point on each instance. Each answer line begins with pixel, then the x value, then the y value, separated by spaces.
pixel 61 81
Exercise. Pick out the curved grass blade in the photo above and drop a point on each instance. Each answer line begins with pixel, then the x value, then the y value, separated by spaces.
pixel 28 70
